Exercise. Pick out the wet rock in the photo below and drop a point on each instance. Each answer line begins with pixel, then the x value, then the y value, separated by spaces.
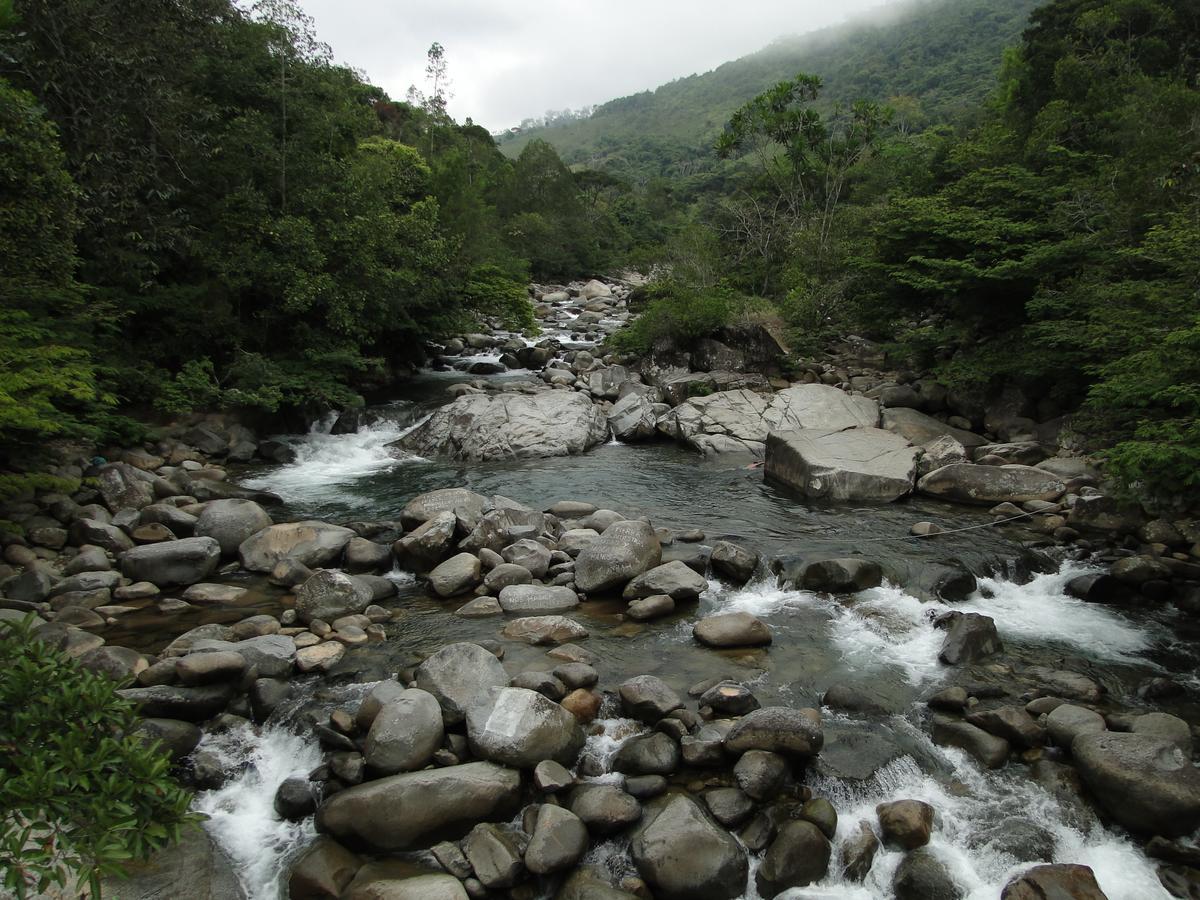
pixel 428 544
pixel 969 483
pixel 101 534
pixel 919 428
pixel 821 813
pixel 551 777
pixel 408 810
pixel 364 555
pixel 1066 722
pixel 761 774
pixel 542 682
pixel 922 876
pixel 854 464
pixel 648 699
pixel 650 608
pixel 1068 685
pixel 320 657
pixel 206 668
pixel 494 855
pixel 215 594
pixel 1012 723
pixel 324 870
pixel 738 629
pixel 576 675
pixel 311 544
pixel 729 806
pixel 524 598
pixel 1145 783
pixel 905 823
pixel 683 855
pixel 841 576
pixel 1054 882
pixel 459 674
pixel 990 750
pixel 970 637
pixel 374 881
pixel 633 418
pixel 623 551
pixel 1016 836
pixel 558 841
pixel 178 738
pixel 231 522
pixel 729 699
pixel 172 563
pixel 295 799
pixel 502 426
pixel 1097 587
pixel 647 754
pixel 542 630
pixel 405 733
pixel 328 595
pixel 1169 728
pixel 530 554
pixel 457 575
pixel 733 562
pixel 521 728
pixel 1135 571
pixel 852 699
pixel 674 579
pixel 603 808
pixel 506 575
pixel 779 729
pixel 797 857
pixel 466 505
pixel 191 704
pixel 858 852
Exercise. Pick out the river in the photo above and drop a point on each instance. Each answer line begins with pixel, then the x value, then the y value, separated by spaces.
pixel 879 642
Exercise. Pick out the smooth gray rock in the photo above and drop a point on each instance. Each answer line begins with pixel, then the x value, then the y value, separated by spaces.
pixel 526 598
pixel 970 637
pixel 501 426
pixel 328 595
pixel 673 579
pixel 520 728
pixel 648 699
pixel 458 675
pixel 465 504
pixel 405 733
pixel 558 841
pixel 604 808
pixel 779 729
pixel 625 550
pixel 411 810
pixel 855 464
pixel 684 855
pixel 311 544
pixel 494 855
pixel 797 857
pixel 969 483
pixel 231 522
pixel 738 629
pixel 1067 721
pixel 172 562
pixel 457 575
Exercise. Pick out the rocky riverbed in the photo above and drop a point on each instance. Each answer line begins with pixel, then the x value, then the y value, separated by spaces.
pixel 543 629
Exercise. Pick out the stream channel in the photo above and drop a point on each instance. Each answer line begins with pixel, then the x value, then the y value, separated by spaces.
pixel 991 824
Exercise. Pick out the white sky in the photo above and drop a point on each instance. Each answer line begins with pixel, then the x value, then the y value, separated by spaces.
pixel 511 59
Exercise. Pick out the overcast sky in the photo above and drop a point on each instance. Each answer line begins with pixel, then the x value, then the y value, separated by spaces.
pixel 510 59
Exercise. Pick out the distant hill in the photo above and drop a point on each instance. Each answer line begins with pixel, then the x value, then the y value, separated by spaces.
pixel 944 54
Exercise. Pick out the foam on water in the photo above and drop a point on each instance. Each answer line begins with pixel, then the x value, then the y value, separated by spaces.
pixel 241 814
pixel 886 628
pixel 327 465
pixel 1041 611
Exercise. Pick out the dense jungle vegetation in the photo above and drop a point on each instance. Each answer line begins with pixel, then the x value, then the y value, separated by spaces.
pixel 201 210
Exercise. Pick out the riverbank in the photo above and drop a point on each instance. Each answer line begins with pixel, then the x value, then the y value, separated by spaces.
pixel 896 663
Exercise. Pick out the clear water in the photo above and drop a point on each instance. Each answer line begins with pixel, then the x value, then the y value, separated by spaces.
pixel 880 641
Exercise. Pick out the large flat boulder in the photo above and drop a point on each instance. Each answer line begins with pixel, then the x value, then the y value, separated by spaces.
pixel 313 544
pixel 919 428
pixel 482 427
pixel 1146 783
pixel 969 483
pixel 520 728
pixel 853 464
pixel 417 808
pixel 172 562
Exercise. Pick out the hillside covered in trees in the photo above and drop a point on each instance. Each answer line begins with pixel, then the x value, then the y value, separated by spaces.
pixel 935 60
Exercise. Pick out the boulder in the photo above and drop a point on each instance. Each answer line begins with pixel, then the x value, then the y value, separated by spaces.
pixel 633 418
pixel 841 576
pixel 1146 783
pixel 648 699
pixel 779 729
pixel 190 704
pixel 1054 882
pixel 428 544
pixel 457 675
pixel 733 562
pixel 312 544
pixel 231 522
pixel 270 655
pixel 100 534
pixel 457 575
pixel 494 855
pixel 922 876
pixel 990 750
pixel 738 629
pixel 375 881
pixel 329 595
pixel 173 562
pixel 323 870
pixel 604 808
pixel 655 753
pixel 760 773
pixel 684 855
pixel 195 868
pixel 541 630
pixel 414 809
pixel 650 608
pixel 797 857
pixel 558 841
pixel 482 427
pixel 969 483
pixel 625 550
pixel 923 430
pixel 1067 722
pixel 905 823
pixel 855 464
pixel 970 637
pixel 675 579
pixel 124 486
pixel 405 733
pixel 529 554
pixel 465 504
pixel 520 728
pixel 858 852
pixel 524 598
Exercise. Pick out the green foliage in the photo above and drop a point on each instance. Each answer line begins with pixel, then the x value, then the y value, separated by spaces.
pixel 490 292
pixel 678 312
pixel 81 796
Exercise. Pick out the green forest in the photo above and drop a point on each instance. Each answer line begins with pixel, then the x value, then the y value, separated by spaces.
pixel 201 210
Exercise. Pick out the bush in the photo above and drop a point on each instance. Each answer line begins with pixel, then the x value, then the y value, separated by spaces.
pixel 79 794
pixel 679 312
